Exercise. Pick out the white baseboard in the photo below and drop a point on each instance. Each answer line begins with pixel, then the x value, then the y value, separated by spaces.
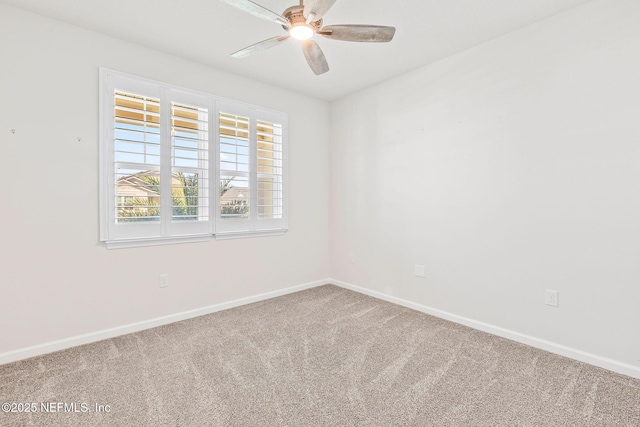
pixel 37 350
pixel 572 353
pixel 582 356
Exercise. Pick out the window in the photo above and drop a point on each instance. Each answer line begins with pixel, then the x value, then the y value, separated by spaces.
pixel 177 165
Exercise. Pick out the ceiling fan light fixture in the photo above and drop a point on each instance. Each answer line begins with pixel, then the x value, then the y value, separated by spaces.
pixel 301 31
pixel 303 21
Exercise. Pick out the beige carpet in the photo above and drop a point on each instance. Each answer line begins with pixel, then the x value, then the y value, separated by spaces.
pixel 321 357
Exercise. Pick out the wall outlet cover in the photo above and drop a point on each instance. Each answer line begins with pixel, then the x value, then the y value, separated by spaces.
pixel 551 298
pixel 164 280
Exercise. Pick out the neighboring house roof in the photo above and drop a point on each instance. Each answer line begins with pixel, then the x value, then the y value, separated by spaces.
pixel 136 186
pixel 235 193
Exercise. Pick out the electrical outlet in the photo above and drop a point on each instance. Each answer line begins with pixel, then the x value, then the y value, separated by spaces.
pixel 419 270
pixel 352 258
pixel 551 298
pixel 164 280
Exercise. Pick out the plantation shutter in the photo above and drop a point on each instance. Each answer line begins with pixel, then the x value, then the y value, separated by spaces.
pixel 234 152
pixel 134 160
pixel 269 170
pixel 137 157
pixel 251 170
pixel 190 192
pixel 157 162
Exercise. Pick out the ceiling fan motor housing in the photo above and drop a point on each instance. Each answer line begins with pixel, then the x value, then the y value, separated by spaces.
pixel 295 16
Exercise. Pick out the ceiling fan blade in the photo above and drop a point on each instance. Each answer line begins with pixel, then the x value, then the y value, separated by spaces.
pixel 259 11
pixel 358 33
pixel 318 8
pixel 315 57
pixel 259 47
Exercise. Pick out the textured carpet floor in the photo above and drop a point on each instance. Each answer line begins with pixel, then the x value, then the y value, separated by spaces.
pixel 320 357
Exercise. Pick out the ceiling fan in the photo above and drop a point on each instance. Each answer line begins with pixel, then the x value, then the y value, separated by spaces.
pixel 302 22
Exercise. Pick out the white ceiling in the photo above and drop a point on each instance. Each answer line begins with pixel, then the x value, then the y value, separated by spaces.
pixel 208 31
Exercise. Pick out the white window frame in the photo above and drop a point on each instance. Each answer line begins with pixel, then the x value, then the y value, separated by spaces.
pixel 166 231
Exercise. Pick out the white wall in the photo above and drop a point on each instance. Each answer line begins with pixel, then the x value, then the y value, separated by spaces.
pixel 508 169
pixel 56 280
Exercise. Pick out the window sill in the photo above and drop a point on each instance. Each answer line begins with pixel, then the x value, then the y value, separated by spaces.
pixel 158 241
pixel 135 243
pixel 243 234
